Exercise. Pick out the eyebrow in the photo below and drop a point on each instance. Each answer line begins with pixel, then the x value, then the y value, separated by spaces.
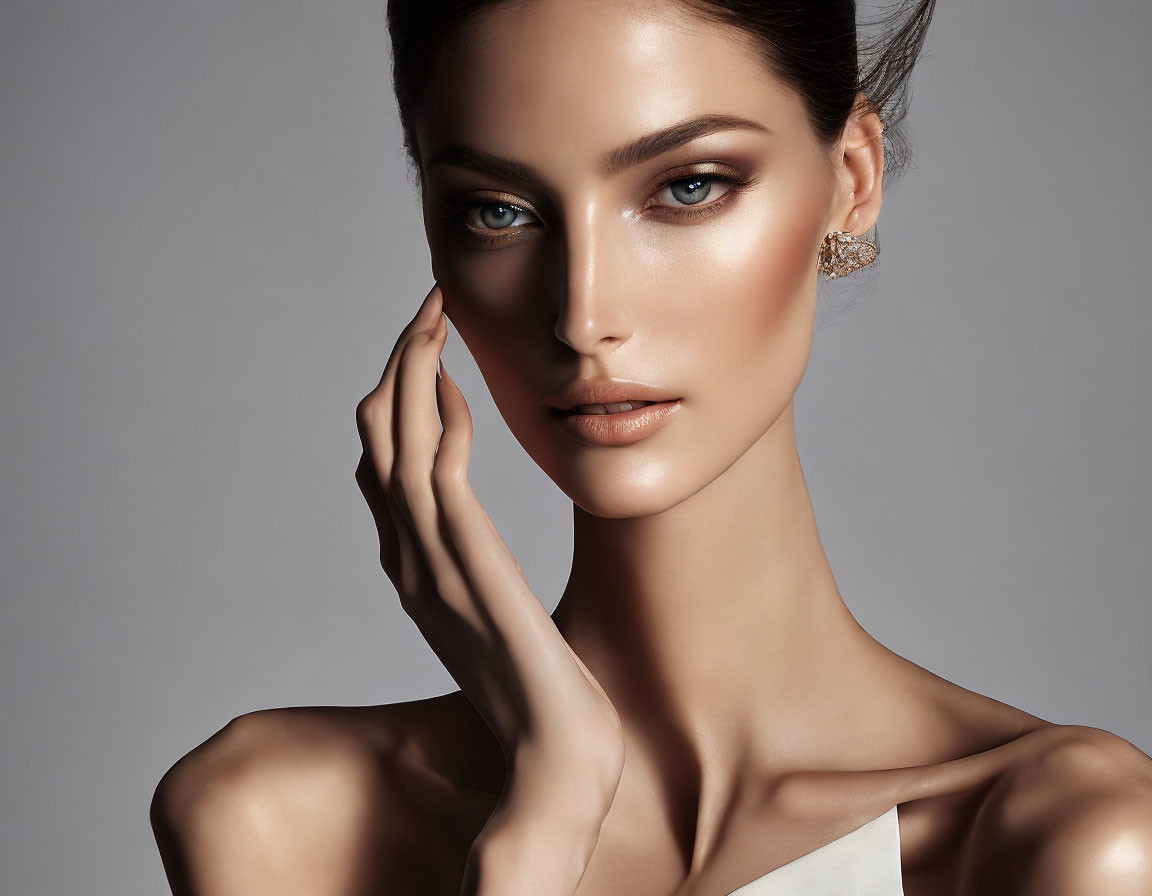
pixel 612 162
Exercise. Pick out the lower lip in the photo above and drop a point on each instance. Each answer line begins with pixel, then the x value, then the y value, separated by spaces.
pixel 623 428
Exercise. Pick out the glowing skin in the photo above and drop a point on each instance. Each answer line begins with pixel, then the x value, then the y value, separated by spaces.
pixel 700 595
pixel 612 283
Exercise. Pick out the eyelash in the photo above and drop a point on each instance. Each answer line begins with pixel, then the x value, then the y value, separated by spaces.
pixel 737 184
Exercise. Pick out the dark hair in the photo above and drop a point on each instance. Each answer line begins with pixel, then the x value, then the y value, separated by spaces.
pixel 816 47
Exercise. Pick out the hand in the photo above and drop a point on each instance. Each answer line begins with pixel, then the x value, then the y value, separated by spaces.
pixel 457 579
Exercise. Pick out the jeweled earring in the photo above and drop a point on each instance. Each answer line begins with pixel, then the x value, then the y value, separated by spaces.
pixel 842 253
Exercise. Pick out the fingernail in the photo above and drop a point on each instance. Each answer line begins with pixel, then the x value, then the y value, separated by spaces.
pixel 439 369
pixel 430 302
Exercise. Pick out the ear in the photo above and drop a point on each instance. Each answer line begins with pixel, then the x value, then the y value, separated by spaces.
pixel 860 170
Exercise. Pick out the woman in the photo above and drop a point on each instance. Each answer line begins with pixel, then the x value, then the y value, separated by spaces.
pixel 631 204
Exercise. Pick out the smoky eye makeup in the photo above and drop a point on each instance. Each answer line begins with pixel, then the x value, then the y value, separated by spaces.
pixel 682 195
pixel 694 192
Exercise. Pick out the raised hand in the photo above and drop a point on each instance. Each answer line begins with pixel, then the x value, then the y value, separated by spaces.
pixel 459 582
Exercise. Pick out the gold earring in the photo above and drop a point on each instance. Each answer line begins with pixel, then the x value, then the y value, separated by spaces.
pixel 842 253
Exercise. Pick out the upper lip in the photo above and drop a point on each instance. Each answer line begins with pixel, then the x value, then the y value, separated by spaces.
pixel 605 392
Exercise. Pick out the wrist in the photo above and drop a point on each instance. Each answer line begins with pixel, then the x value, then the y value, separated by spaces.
pixel 579 773
pixel 542 833
pixel 532 854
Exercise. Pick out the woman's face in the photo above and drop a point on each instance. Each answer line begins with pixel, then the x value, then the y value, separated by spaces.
pixel 693 270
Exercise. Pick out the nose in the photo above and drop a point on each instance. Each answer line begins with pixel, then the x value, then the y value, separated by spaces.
pixel 595 315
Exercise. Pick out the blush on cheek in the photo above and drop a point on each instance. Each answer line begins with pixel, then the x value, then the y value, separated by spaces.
pixel 783 329
pixel 750 348
pixel 766 286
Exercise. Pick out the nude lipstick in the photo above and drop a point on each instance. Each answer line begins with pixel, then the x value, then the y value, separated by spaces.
pixel 620 428
pixel 611 412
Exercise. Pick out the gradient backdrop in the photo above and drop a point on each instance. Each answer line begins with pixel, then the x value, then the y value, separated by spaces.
pixel 208 247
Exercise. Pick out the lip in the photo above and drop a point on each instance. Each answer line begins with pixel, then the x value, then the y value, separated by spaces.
pixel 623 428
pixel 606 392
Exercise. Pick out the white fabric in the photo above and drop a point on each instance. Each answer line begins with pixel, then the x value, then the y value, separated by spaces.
pixel 864 862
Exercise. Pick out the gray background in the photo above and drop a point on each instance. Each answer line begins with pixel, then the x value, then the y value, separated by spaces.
pixel 207 249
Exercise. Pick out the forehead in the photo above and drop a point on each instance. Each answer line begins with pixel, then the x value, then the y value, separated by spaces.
pixel 554 83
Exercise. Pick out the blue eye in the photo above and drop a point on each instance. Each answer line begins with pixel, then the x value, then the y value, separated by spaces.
pixel 693 190
pixel 493 215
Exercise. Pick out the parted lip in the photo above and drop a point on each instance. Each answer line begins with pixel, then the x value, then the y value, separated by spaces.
pixel 605 392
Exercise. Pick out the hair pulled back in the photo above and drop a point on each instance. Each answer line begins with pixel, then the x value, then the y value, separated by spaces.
pixel 817 48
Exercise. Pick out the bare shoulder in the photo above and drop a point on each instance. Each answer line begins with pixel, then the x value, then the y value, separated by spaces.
pixel 322 799
pixel 1071 818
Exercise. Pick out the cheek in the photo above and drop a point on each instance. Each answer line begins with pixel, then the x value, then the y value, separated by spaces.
pixel 741 312
pixel 484 299
pixel 480 298
pixel 494 295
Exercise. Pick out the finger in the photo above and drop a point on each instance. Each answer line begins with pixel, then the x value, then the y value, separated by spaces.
pixel 374 412
pixel 484 557
pixel 450 467
pixel 417 430
pixel 449 478
pixel 450 472
pixel 399 554
pixel 378 504
pixel 416 426
pixel 398 550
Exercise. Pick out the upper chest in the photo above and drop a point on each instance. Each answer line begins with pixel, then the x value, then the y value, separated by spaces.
pixel 642 851
pixel 909 849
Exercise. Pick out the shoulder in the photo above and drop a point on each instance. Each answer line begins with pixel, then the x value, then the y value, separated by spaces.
pixel 264 798
pixel 298 799
pixel 255 750
pixel 1073 817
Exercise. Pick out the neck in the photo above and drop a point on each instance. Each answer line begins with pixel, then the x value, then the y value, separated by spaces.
pixel 716 627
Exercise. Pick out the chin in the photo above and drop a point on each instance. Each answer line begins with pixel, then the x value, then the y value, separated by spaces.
pixel 614 483
pixel 608 500
pixel 639 480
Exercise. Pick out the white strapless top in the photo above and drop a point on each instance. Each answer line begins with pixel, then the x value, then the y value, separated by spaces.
pixel 864 862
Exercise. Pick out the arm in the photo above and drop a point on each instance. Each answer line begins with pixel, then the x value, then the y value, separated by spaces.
pixel 459 582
